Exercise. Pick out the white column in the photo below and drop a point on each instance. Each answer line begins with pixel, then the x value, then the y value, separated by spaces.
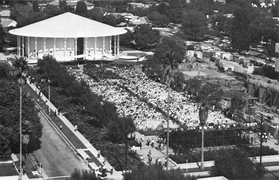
pixel 95 46
pixel 103 45
pixel 18 45
pixel 44 45
pixel 65 46
pixel 110 45
pixel 85 47
pixel 115 46
pixel 36 45
pixel 22 45
pixel 75 53
pixel 54 46
pixel 28 46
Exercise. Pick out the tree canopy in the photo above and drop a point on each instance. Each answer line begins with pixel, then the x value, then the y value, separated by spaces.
pixel 145 37
pixel 153 172
pixel 83 175
pixel 158 19
pixel 234 164
pixel 194 25
pixel 240 36
pixel 9 115
pixel 81 8
pixel 3 36
pixel 170 51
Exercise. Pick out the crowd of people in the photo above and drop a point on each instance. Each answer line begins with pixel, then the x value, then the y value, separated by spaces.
pixel 145 100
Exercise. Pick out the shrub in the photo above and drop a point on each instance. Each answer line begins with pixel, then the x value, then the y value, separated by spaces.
pixel 153 172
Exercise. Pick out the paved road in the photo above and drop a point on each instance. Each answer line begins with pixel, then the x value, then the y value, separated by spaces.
pixel 55 155
pixel 269 176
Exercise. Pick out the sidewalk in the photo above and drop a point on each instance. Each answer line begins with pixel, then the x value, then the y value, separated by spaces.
pixel 271 143
pixel 155 153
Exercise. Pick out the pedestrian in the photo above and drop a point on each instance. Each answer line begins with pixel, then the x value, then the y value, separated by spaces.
pixel 166 162
pixel 148 141
pixel 61 127
pixel 149 152
pixel 159 162
pixel 39 88
pixel 152 143
pixel 140 144
pixel 149 160
pixel 76 127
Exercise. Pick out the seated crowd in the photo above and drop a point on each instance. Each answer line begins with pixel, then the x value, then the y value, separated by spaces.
pixel 145 100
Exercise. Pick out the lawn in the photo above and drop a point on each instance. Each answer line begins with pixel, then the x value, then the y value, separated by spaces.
pixel 7 169
pixel 67 132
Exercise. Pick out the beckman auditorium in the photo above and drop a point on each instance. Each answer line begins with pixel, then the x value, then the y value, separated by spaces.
pixel 68 37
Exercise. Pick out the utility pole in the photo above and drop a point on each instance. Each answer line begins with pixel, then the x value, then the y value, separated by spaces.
pixel 261 139
pixel 20 133
pixel 126 146
pixel 48 81
pixel 21 82
pixel 168 126
pixel 203 115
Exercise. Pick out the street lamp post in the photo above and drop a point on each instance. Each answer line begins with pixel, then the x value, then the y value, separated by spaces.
pixel 21 82
pixel 168 127
pixel 203 115
pixel 263 137
pixel 48 81
pixel 126 147
pixel 20 73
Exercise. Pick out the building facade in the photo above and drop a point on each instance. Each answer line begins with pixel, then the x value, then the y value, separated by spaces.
pixel 68 37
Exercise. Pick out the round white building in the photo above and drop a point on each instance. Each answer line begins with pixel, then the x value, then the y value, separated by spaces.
pixel 68 37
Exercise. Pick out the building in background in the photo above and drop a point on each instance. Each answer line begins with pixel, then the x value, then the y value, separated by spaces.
pixel 62 37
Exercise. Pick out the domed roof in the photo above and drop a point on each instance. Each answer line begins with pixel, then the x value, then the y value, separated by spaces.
pixel 68 25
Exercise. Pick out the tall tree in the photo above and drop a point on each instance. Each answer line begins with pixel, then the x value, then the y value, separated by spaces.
pixel 120 128
pixel 240 36
pixel 158 19
pixel 163 8
pixel 63 5
pixel 96 14
pixel 9 116
pixel 3 36
pixel 81 8
pixel 170 46
pixel 194 25
pixel 145 37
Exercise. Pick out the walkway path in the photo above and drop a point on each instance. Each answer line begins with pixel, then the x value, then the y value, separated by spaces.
pixel 155 153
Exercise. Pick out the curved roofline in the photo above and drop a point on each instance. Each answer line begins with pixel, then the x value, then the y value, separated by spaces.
pixel 18 34
pixel 68 25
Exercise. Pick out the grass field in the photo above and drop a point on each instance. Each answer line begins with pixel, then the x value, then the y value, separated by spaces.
pixel 67 132
pixel 7 169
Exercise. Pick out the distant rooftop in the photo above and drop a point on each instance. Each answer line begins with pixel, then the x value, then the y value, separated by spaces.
pixel 5 13
pixel 70 3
